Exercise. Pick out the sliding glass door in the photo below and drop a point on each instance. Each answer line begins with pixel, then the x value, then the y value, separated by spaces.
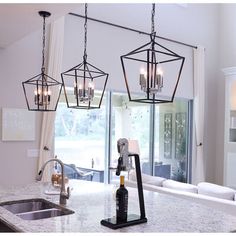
pixel 87 139
pixel 171 140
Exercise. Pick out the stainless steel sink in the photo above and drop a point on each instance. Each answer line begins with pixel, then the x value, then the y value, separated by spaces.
pixel 27 205
pixel 35 209
pixel 36 215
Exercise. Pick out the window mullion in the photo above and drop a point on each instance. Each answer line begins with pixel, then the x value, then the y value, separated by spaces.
pixel 189 138
pixel 108 143
pixel 152 138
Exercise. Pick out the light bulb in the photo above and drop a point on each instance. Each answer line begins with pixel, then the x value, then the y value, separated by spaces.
pixel 80 86
pixel 143 79
pixel 80 90
pixel 159 71
pixel 91 84
pixel 142 71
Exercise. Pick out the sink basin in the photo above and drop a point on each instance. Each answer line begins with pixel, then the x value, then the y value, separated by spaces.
pixel 35 209
pixel 27 205
pixel 36 215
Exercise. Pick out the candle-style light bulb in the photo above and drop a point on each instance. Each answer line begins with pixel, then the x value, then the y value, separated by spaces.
pixel 35 97
pixel 143 71
pixel 159 79
pixel 45 93
pixel 49 96
pixel 91 90
pixel 75 88
pixel 80 88
pixel 91 84
pixel 159 71
pixel 143 79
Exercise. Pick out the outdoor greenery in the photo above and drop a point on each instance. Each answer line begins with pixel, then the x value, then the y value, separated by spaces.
pixel 77 124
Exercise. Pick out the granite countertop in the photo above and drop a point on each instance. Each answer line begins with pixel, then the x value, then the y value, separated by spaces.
pixel 93 202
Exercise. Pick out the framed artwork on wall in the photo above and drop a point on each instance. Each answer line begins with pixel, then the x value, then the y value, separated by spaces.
pixel 18 125
pixel 180 135
pixel 168 135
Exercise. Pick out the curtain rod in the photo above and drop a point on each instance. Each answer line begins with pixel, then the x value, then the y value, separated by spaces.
pixel 131 29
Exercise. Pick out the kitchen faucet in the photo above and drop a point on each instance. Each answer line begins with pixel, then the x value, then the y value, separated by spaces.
pixel 63 194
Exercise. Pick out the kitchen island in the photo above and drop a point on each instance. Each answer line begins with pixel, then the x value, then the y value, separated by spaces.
pixel 93 202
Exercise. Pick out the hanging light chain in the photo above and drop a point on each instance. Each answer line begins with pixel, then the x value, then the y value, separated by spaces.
pixel 43 51
pixel 153 20
pixel 85 31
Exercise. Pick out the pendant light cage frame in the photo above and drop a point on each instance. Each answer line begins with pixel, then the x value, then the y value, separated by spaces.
pixel 83 78
pixel 42 92
pixel 151 57
pixel 42 102
pixel 82 74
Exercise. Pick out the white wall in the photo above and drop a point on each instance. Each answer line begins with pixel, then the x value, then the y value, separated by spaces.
pixel 195 24
pixel 227 58
pixel 19 62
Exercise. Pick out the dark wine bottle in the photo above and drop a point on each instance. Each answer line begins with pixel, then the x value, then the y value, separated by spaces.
pixel 121 202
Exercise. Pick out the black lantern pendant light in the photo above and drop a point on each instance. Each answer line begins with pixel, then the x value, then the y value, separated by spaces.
pixel 42 92
pixel 153 70
pixel 82 79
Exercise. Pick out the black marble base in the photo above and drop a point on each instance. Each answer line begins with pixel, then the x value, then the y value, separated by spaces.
pixel 132 220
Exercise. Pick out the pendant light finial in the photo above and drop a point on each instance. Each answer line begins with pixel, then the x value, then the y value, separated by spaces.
pixel 44 13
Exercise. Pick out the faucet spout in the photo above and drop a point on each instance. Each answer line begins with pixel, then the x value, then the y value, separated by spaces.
pixel 64 195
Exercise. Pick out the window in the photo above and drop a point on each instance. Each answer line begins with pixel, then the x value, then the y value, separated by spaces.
pixel 171 143
pixel 162 132
pixel 80 138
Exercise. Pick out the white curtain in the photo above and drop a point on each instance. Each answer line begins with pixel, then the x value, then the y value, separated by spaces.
pixel 56 42
pixel 198 167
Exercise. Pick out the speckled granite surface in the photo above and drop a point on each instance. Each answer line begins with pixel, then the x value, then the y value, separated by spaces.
pixel 93 202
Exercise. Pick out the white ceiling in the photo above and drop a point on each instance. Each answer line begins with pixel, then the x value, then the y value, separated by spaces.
pixel 18 20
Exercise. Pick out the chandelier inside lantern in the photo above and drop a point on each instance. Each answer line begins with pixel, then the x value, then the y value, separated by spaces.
pixel 42 97
pixel 156 83
pixel 84 90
